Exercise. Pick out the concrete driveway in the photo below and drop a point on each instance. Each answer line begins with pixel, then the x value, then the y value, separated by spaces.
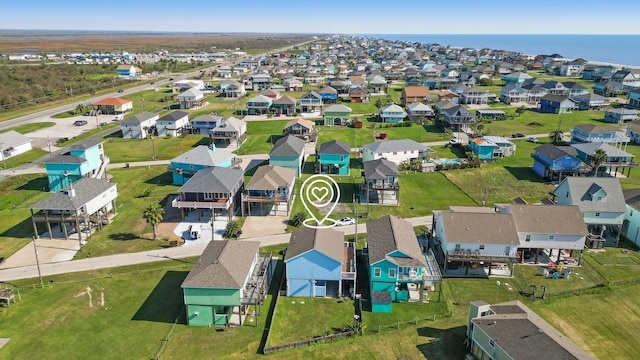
pixel 64 128
pixel 259 226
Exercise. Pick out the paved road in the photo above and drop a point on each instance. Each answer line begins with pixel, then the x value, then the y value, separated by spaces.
pixel 104 262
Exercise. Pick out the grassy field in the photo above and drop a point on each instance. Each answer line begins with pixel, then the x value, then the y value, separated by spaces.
pixel 30 127
pixel 24 158
pixel 261 135
pixel 121 150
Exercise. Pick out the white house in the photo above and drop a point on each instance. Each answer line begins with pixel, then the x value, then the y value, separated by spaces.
pixel 13 143
pixel 172 124
pixel 395 151
pixel 191 99
pixel 138 126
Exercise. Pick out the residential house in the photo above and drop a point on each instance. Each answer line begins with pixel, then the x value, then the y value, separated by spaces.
pixel 128 71
pixel 631 223
pixel 13 143
pixel 392 113
pixel 475 95
pixel 413 94
pixel 181 86
pixel 259 105
pixel 329 95
pixel 381 182
pixel 554 163
pixel 271 93
pixel 301 128
pixel 634 99
pixel 609 89
pixel 172 124
pixel 224 72
pixel 84 159
pixel 292 84
pixel 575 88
pixel 288 152
pixel 620 115
pixel 513 94
pixel 572 68
pixel 492 147
pixel 511 330
pixel 515 78
pixel 396 151
pixel 285 105
pixel 419 111
pixel 557 104
pixel 233 89
pixel 260 82
pixel 76 208
pixel 337 114
pixel 319 263
pixel 633 131
pixel 616 158
pixel 397 266
pixel 271 187
pixel 596 133
pixel 228 277
pixel 311 102
pixel 455 116
pixel 313 78
pixel 600 200
pixel 464 238
pixel 449 96
pixel 333 158
pixel 535 91
pixel 628 78
pixel 215 188
pixel 359 95
pixel 590 102
pixel 377 84
pixel 139 125
pixel 203 124
pixel 113 106
pixel 228 131
pixel 191 99
pixel 184 166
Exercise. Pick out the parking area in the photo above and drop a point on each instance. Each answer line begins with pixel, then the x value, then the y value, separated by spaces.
pixel 64 128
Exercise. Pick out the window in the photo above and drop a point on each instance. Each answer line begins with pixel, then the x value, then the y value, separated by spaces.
pixel 492 343
pixel 481 247
pixel 527 238
pixel 567 195
pixel 341 157
pixel 552 237
pixel 630 212
pixel 376 272
pixel 208 196
pixel 395 153
pixel 392 273
pixel 457 247
pixel 597 214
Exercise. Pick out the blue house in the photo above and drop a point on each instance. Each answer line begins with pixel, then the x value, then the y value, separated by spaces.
pixel 85 159
pixel 554 163
pixel 201 157
pixel 392 113
pixel 203 124
pixel 329 95
pixel 288 152
pixel 319 263
pixel 616 158
pixel 593 133
pixel 557 104
pixel 333 158
pixel 631 224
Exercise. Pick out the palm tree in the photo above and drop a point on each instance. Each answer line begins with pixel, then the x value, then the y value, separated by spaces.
pixel 556 136
pixel 154 215
pixel 597 159
pixel 232 230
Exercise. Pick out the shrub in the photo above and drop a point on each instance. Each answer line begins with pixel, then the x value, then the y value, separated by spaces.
pixel 298 219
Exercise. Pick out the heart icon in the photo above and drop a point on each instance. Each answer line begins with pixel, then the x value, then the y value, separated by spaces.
pixel 319 194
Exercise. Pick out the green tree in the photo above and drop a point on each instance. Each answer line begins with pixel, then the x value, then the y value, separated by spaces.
pixel 556 136
pixel 597 159
pixel 298 219
pixel 154 215
pixel 521 110
pixel 232 230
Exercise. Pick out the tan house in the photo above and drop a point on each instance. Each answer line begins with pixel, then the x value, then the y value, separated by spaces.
pixel 113 106
pixel 412 94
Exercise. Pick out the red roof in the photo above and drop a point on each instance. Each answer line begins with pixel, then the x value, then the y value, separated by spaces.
pixel 112 101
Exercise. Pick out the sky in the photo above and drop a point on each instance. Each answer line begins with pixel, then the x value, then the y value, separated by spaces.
pixel 329 16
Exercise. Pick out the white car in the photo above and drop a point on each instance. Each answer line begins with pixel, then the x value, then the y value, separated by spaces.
pixel 346 221
pixel 533 139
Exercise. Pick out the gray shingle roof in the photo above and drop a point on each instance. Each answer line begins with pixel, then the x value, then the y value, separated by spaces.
pixel 140 117
pixel 560 219
pixel 590 149
pixel 379 169
pixel 479 228
pixel 213 180
pixel 223 265
pixel 12 138
pixel 285 100
pixel 328 242
pixel 270 177
pixel 207 118
pixel 553 152
pixel 395 146
pixel 86 189
pixel 582 187
pixel 84 145
pixel 596 129
pixel 337 108
pixel 288 146
pixel 389 234
pixel 334 147
pixel 65 159
pixel 632 197
pixel 234 123
pixel 202 155
pixel 173 116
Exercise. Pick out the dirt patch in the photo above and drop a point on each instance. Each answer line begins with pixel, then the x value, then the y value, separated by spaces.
pixel 340 208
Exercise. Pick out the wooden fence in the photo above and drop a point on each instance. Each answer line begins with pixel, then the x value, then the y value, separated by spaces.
pixel 315 340
pixel 415 322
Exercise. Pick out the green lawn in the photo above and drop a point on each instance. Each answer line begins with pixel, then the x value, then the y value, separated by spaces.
pixel 121 150
pixel 534 122
pixel 370 126
pixel 615 264
pixel 261 135
pixel 30 127
pixel 24 158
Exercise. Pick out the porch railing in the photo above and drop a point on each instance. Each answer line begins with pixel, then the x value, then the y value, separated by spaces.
pixel 220 204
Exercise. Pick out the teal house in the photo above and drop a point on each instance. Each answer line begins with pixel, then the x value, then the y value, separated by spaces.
pixel 392 113
pixel 223 283
pixel 397 266
pixel 492 147
pixel 332 158
pixel 631 224
pixel 85 159
pixel 288 152
pixel 201 157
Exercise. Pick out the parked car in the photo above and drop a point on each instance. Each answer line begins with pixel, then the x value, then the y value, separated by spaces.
pixel 120 91
pixel 346 221
pixel 533 139
pixel 103 124
pixel 455 141
pixel 518 135
pixel 80 122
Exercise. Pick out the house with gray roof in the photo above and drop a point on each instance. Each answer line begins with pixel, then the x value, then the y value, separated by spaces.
pixel 13 143
pixel 223 283
pixel 396 263
pixel 192 98
pixel 333 158
pixel 288 152
pixel 229 131
pixel 216 188
pixel 83 205
pixel 631 224
pixel 139 126
pixel 600 200
pixel 381 182
pixel 204 123
pixel 396 151
pixel 172 124
pixel 511 330
pixel 617 159
pixel 201 157
pixel 270 188
pixel 319 263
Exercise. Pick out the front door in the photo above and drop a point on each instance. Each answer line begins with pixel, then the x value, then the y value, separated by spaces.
pixel 320 288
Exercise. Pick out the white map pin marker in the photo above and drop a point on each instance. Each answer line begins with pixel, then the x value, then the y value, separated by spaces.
pixel 319 191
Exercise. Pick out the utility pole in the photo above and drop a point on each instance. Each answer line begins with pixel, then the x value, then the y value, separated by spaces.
pixel 38 262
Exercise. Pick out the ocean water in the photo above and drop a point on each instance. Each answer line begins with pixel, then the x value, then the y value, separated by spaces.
pixel 613 49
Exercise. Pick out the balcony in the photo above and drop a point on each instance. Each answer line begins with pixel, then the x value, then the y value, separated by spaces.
pixel 213 204
pixel 384 186
pixel 468 255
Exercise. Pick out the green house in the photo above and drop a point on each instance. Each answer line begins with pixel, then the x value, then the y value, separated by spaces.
pixel 397 266
pixel 218 289
pixel 333 158
pixel 337 114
